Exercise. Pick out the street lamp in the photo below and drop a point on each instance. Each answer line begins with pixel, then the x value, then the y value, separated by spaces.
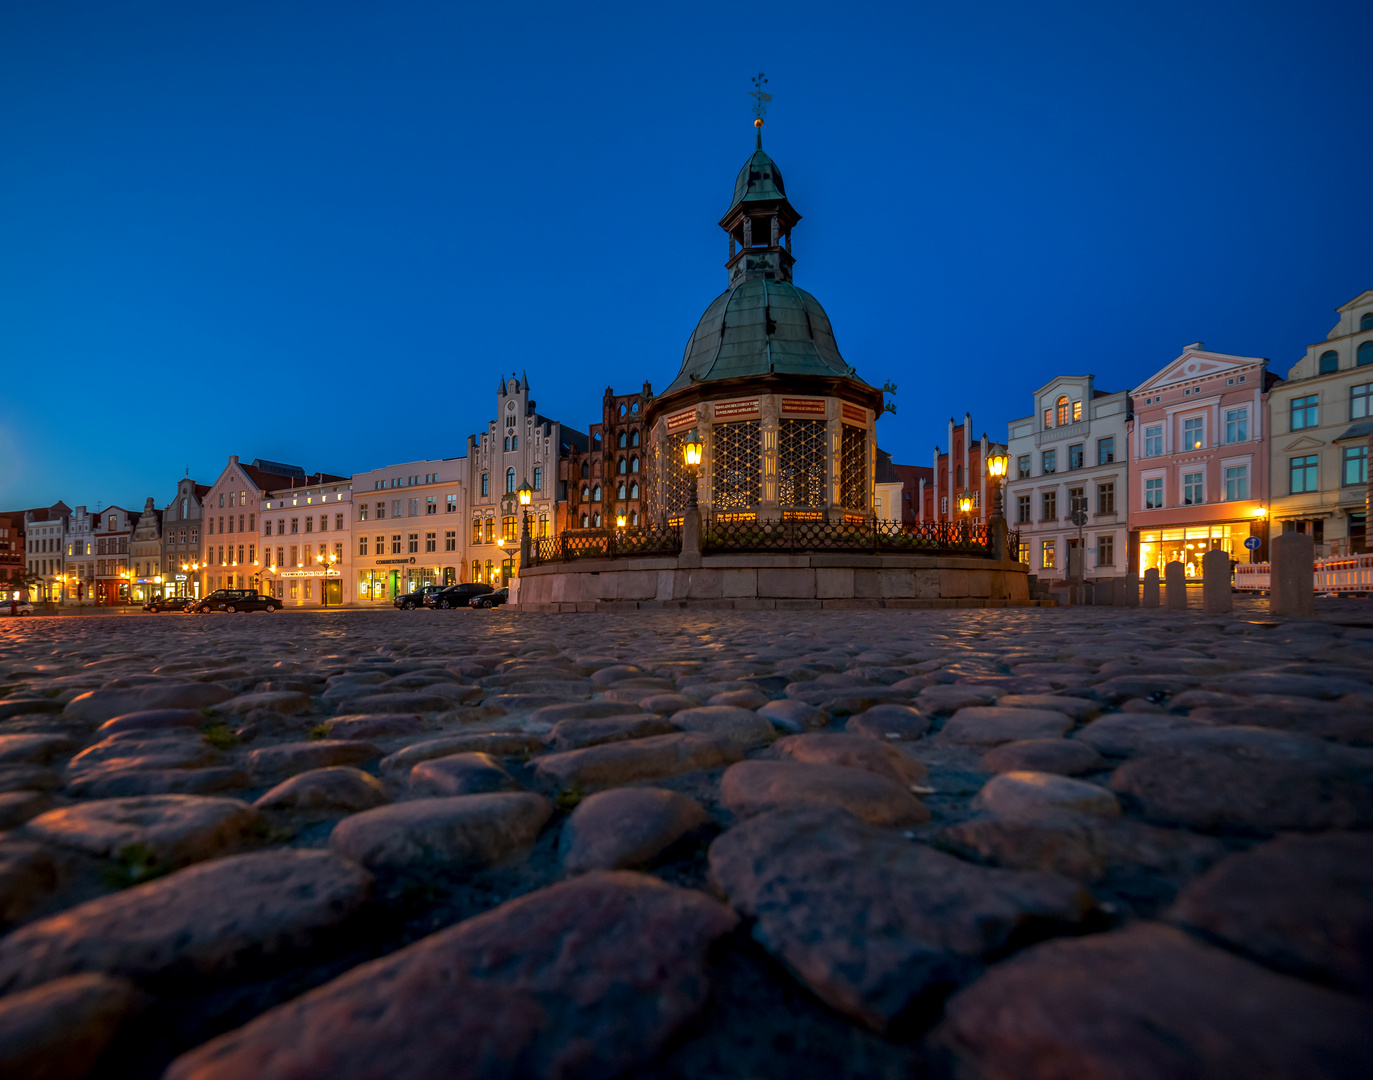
pixel 324 581
pixel 526 496
pixel 997 465
pixel 965 507
pixel 691 456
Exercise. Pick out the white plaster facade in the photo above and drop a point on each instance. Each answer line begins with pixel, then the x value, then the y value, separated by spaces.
pixel 307 544
pixel 1072 447
pixel 1320 422
pixel 410 522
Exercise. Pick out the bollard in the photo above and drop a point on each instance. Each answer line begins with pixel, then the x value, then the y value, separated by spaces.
pixel 1127 592
pixel 1292 586
pixel 1151 587
pixel 1175 586
pixel 1105 592
pixel 1215 582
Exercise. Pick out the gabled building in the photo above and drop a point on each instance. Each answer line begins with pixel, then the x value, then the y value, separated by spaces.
pixel 962 468
pixel 608 480
pixel 1198 445
pixel 1068 457
pixel 1321 419
pixel 45 545
pixel 145 554
pixel 112 530
pixel 181 525
pixel 409 529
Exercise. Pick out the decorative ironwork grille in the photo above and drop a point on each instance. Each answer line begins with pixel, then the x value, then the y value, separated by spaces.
pixel 573 544
pixel 737 465
pixel 801 462
pixel 853 468
pixel 677 478
pixel 886 537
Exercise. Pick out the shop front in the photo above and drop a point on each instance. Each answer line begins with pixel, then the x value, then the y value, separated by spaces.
pixel 1188 543
pixel 384 580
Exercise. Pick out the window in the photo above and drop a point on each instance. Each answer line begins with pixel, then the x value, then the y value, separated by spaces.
pixel 310 524
pixel 1366 321
pixel 543 525
pixel 596 493
pixel 1049 461
pixel 362 511
pixel 1048 418
pixel 1046 556
pixel 1075 456
pixel 621 491
pixel 1106 450
pixel 486 484
pixel 1063 412
pixel 414 544
pixel 490 530
pixel 476 530
pixel 295 525
pixel 1354 468
pixel 1022 466
pixel 395 543
pixel 1236 425
pixel 514 442
pixel 381 545
pixel 624 435
pixel 1106 498
pixel 506 444
pixel 450 540
pixel 431 542
pixel 1359 398
pixel 1304 412
pixel 1153 493
pixel 1077 501
pixel 1236 482
pixel 586 493
pixel 414 508
pixel 596 520
pixel 1330 361
pixel 252 553
pixel 508 528
pixel 1106 550
pixel 381 511
pixel 586 522
pixel 633 491
pixel 1192 489
pixel 624 466
pixel 1192 437
pixel 510 481
pixel 295 556
pixel 431 505
pixel 538 477
pixel 1303 473
pixel 1049 506
pixel 634 438
pixel 362 545
pixel 1153 441
pixel 452 504
pixel 1365 354
pixel 1077 411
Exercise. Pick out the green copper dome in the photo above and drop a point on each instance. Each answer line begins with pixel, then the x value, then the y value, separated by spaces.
pixel 761 327
pixel 758 180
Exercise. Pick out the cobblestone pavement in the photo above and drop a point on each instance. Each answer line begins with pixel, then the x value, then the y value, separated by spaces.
pixel 1028 843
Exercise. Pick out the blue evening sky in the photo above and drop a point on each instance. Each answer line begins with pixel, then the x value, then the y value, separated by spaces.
pixel 318 231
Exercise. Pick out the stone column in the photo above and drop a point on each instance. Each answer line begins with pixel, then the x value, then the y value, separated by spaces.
pixel 1151 587
pixel 1215 582
pixel 1292 586
pixel 1175 578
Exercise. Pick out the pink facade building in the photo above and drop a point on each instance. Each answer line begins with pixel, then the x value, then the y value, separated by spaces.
pixel 1199 460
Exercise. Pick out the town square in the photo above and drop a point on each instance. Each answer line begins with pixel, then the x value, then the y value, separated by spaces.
pixel 534 549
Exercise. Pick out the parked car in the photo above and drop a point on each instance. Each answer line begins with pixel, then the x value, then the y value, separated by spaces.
pixel 415 599
pixel 232 600
pixel 495 599
pixel 169 603
pixel 16 607
pixel 457 595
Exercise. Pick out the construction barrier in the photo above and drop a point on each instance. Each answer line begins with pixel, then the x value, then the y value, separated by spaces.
pixel 1337 574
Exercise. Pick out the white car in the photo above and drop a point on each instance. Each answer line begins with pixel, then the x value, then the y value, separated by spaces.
pixel 10 607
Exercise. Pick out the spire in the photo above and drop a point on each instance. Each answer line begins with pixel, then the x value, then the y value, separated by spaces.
pixel 524 377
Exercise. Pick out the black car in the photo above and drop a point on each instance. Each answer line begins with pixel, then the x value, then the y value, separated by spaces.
pixel 416 598
pixel 232 600
pixel 169 603
pixel 495 599
pixel 457 595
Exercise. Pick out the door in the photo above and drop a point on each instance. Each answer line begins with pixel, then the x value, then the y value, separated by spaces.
pixel 395 585
pixel 333 591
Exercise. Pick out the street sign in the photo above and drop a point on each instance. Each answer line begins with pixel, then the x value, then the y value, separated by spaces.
pixel 1253 543
pixel 1079 518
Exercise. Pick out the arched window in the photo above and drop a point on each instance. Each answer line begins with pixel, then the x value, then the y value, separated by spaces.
pixel 624 436
pixel 634 439
pixel 634 518
pixel 1061 406
pixel 596 493
pixel 1366 322
pixel 586 468
pixel 621 495
pixel 635 406
pixel 634 465
pixel 624 466
pixel 596 520
pixel 633 491
pixel 586 493
pixel 586 521
pixel 1364 355
pixel 622 412
pixel 510 481
pixel 1330 361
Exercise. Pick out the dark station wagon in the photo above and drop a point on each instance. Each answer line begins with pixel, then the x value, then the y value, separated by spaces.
pixel 408 601
pixel 232 600
pixel 170 603
pixel 457 595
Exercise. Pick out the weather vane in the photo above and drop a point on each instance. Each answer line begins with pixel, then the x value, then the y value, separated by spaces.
pixel 760 99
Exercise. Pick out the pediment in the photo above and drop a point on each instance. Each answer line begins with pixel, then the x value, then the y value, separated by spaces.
pixel 1303 443
pixel 1193 365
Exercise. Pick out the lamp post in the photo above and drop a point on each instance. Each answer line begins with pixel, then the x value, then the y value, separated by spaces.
pixel 691 455
pixel 526 495
pixel 997 464
pixel 691 517
pixel 965 507
pixel 324 581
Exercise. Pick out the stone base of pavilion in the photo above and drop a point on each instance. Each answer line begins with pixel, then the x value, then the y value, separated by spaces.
pixel 751 582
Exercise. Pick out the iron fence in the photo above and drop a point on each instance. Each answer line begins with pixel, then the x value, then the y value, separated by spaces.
pixel 574 544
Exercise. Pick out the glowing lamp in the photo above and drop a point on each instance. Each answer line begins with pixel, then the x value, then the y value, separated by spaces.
pixel 526 493
pixel 692 448
pixel 965 503
pixel 620 521
pixel 997 465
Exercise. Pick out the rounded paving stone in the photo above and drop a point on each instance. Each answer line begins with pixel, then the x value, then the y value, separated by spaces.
pixel 383 726
pixel 1067 757
pixel 58 1031
pixel 575 734
pixel 461 774
pixel 890 722
pixel 287 758
pixel 756 787
pixel 855 751
pixel 793 715
pixel 1029 795
pixel 167 830
pixel 152 720
pixel 337 788
pixel 97 706
pixel 626 828
pixel 992 725
pixel 638 759
pixel 744 726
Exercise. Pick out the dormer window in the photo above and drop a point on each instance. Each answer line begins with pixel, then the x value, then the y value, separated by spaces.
pixel 1063 410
